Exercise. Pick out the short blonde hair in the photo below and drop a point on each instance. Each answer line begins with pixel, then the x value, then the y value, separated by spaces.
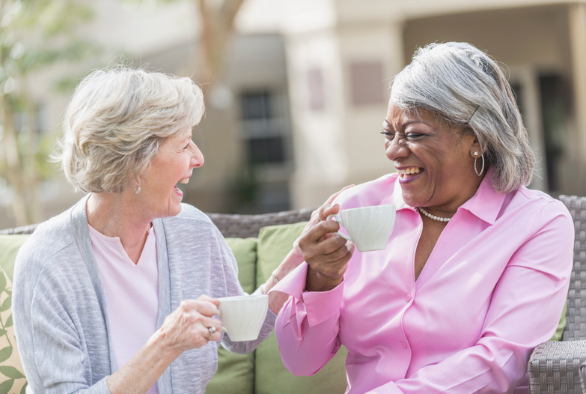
pixel 116 121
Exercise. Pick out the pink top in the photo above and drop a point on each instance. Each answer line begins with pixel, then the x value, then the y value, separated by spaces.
pixel 492 289
pixel 132 293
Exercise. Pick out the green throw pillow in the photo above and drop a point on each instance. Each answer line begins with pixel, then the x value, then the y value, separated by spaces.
pixel 235 373
pixel 244 250
pixel 271 376
pixel 557 336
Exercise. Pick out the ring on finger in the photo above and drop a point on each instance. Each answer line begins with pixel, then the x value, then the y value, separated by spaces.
pixel 212 332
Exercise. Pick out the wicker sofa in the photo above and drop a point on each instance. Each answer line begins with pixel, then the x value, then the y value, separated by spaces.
pixel 554 367
pixel 558 367
pixel 258 242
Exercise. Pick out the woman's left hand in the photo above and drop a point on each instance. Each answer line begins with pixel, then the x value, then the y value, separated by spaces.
pixel 192 324
pixel 188 327
pixel 295 256
pixel 296 253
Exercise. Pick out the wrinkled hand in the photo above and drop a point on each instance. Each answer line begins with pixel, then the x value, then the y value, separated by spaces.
pixel 188 326
pixel 315 219
pixel 294 257
pixel 327 254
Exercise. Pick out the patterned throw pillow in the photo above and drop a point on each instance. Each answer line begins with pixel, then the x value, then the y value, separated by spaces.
pixel 12 379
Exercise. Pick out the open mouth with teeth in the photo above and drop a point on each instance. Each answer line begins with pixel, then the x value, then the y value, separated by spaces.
pixel 409 173
pixel 183 181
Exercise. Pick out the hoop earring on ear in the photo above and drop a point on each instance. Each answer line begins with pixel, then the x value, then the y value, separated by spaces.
pixel 476 158
pixel 137 189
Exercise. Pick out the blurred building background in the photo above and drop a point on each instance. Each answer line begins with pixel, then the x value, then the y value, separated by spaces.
pixel 296 110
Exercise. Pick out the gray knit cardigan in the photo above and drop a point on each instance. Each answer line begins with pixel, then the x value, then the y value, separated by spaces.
pixel 60 312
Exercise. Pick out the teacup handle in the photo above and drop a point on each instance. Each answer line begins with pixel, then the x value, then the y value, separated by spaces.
pixel 339 220
pixel 223 328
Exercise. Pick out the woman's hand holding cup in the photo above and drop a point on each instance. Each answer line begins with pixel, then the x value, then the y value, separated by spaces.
pixel 326 254
pixel 191 325
pixel 294 258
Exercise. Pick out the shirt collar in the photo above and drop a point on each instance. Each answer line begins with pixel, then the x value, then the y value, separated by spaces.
pixel 396 196
pixel 485 204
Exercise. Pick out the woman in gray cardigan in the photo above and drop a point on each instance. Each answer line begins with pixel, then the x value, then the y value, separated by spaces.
pixel 118 294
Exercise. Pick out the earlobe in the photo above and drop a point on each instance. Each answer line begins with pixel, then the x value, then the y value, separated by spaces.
pixel 475 151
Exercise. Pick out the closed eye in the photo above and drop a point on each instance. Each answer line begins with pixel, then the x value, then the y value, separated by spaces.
pixel 388 134
pixel 413 135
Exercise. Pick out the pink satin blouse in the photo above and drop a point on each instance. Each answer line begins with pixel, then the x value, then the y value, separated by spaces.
pixel 492 289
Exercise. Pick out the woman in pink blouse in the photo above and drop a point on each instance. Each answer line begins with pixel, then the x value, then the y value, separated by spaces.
pixel 476 271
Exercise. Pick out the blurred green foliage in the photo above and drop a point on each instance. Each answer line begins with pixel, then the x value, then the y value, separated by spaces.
pixel 35 37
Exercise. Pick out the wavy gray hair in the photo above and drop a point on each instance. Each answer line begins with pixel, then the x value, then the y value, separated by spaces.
pixel 116 121
pixel 453 80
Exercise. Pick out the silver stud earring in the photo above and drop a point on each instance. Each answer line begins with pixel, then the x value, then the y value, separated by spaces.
pixel 137 189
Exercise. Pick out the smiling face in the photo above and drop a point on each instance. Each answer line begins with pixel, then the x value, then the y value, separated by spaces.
pixel 435 161
pixel 173 163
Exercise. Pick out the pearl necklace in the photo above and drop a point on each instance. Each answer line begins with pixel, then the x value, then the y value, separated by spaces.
pixel 429 215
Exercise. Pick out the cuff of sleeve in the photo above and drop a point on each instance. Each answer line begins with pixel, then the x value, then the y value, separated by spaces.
pixel 319 305
pixel 294 283
pixel 322 305
pixel 270 319
pixel 101 386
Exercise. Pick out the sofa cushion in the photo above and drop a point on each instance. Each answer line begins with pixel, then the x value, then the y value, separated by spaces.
pixel 235 373
pixel 271 376
pixel 244 250
pixel 557 336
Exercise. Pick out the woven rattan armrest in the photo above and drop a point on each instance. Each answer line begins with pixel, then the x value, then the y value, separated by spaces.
pixel 243 226
pixel 230 225
pixel 19 230
pixel 583 377
pixel 554 367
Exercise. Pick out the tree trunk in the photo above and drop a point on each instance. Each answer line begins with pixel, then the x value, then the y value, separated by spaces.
pixel 14 174
pixel 217 27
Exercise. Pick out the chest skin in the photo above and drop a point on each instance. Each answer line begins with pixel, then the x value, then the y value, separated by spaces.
pixel 430 233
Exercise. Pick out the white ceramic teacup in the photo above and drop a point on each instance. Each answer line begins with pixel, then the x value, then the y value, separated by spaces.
pixel 242 316
pixel 369 228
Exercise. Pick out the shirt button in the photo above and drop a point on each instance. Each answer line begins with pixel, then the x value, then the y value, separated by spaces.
pixel 404 345
pixel 408 297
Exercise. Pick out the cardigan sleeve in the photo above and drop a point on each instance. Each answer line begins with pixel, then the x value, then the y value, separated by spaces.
pixel 308 325
pixel 53 353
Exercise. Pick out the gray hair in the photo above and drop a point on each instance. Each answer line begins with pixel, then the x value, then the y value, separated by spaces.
pixel 463 86
pixel 116 121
